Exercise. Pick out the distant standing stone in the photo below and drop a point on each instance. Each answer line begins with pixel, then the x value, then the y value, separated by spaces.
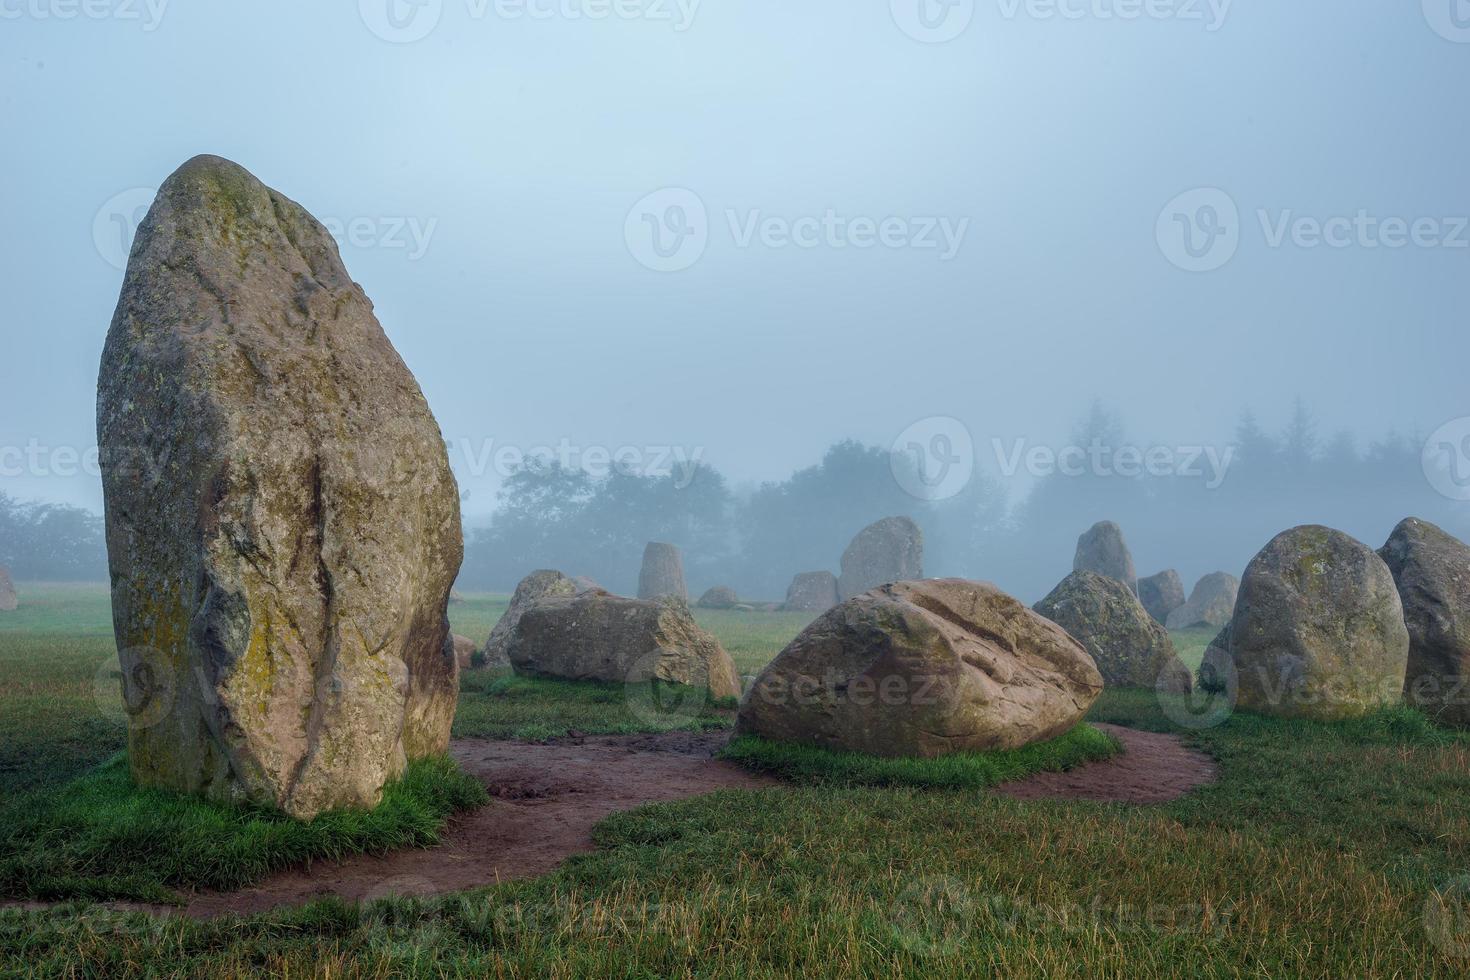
pixel 283 527
pixel 887 551
pixel 1129 646
pixel 1102 550
pixel 812 592
pixel 464 651
pixel 662 573
pixel 1212 603
pixel 9 601
pixel 1432 571
pixel 543 584
pixel 601 637
pixel 1319 629
pixel 719 597
pixel 1161 594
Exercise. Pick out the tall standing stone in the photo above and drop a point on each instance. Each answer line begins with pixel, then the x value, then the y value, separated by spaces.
pixel 888 551
pixel 1212 603
pixel 1318 630
pixel 812 592
pixel 662 573
pixel 1161 594
pixel 1102 550
pixel 9 601
pixel 1432 571
pixel 283 527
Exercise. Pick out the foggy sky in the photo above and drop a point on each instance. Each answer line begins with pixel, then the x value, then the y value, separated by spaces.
pixel 516 147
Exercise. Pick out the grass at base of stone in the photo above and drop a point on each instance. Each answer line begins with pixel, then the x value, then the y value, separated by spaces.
pixel 102 837
pixel 500 705
pixel 808 764
pixel 1324 850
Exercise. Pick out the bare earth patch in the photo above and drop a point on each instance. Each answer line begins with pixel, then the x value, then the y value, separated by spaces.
pixel 547 798
pixel 1152 769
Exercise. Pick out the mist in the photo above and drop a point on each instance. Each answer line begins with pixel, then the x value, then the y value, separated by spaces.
pixel 748 276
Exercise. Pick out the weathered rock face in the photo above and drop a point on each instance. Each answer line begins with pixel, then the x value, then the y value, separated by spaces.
pixel 601 637
pixel 924 669
pixel 282 524
pixel 890 550
pixel 1161 594
pixel 9 601
pixel 812 592
pixel 1102 550
pixel 1212 603
pixel 1128 645
pixel 539 585
pixel 1319 629
pixel 1432 571
pixel 662 573
pixel 464 651
pixel 719 597
pixel 585 584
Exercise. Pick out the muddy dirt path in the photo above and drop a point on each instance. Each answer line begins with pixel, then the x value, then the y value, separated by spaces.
pixel 1152 769
pixel 547 798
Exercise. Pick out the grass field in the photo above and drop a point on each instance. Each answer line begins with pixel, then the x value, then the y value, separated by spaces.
pixel 1324 850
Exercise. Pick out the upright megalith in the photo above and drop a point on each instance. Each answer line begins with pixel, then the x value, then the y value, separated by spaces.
pixel 887 551
pixel 811 592
pixel 9 601
pixel 1161 594
pixel 1102 550
pixel 283 527
pixel 1432 571
pixel 1318 630
pixel 662 573
pixel 1212 603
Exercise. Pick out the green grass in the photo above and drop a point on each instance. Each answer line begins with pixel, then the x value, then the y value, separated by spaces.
pixel 500 705
pixel 1192 644
pixel 1324 850
pixel 963 770
pixel 103 837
